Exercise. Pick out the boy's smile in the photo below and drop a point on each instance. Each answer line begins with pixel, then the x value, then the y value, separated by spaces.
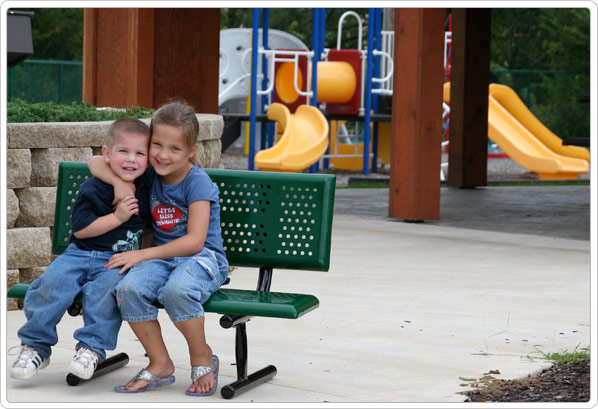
pixel 128 156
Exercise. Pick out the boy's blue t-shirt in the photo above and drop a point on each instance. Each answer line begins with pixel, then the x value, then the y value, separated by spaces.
pixel 95 200
pixel 169 205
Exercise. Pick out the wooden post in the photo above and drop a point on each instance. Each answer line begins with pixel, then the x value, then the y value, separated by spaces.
pixel 414 193
pixel 90 32
pixel 140 57
pixel 148 56
pixel 470 74
pixel 187 56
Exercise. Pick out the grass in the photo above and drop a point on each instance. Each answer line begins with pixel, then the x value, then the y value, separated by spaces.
pixel 492 387
pixel 563 357
pixel 584 182
pixel 365 186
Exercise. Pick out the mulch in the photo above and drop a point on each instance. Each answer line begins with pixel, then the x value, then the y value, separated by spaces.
pixel 559 383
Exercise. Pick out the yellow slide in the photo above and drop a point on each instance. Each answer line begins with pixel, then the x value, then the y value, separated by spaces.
pixel 526 140
pixel 303 142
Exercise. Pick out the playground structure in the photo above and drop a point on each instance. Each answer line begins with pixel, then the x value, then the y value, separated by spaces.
pixel 304 137
pixel 340 81
pixel 235 48
pixel 526 140
pixel 345 85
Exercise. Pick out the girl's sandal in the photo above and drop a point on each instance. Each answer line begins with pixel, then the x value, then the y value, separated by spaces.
pixel 145 375
pixel 199 371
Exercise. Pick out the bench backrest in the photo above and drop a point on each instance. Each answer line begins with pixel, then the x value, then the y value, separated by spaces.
pixel 70 177
pixel 269 219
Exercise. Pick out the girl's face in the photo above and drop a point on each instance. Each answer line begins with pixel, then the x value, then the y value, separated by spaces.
pixel 169 153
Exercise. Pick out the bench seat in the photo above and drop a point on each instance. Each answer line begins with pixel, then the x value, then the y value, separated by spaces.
pixel 235 302
pixel 232 301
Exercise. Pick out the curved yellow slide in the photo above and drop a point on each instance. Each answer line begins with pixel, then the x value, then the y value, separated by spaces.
pixel 509 99
pixel 303 142
pixel 526 140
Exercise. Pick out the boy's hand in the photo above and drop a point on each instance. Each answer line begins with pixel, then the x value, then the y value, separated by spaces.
pixel 126 208
pixel 122 189
pixel 127 260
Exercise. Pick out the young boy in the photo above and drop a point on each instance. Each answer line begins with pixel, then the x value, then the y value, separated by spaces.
pixel 99 231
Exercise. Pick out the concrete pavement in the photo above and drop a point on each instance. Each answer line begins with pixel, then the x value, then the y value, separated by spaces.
pixel 557 211
pixel 407 310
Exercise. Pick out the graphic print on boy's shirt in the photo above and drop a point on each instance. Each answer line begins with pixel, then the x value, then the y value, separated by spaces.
pixel 133 242
pixel 168 217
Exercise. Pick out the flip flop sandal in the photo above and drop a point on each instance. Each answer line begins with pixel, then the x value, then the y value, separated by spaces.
pixel 200 371
pixel 145 375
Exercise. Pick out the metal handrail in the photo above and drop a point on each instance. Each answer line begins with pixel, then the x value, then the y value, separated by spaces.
pixel 340 25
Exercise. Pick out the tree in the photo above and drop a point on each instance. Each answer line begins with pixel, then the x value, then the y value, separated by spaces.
pixel 57 33
pixel 298 22
pixel 552 44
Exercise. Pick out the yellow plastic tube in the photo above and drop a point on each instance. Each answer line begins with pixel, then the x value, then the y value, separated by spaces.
pixel 336 82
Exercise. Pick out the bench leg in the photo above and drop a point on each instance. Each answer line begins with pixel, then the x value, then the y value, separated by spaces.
pixel 245 382
pixel 107 365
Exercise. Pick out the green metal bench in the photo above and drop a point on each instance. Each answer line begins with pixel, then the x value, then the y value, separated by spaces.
pixel 269 220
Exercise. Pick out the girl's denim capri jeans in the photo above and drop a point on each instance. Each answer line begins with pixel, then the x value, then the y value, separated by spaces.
pixel 180 284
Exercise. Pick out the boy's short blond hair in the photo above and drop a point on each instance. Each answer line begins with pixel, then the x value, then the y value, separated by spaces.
pixel 126 125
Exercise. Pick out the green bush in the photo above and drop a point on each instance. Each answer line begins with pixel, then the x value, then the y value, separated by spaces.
pixel 22 111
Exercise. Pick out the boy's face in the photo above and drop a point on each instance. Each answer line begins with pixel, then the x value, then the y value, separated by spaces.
pixel 127 157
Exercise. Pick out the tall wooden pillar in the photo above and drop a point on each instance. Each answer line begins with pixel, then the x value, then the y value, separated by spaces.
pixel 90 53
pixel 417 114
pixel 147 56
pixel 470 74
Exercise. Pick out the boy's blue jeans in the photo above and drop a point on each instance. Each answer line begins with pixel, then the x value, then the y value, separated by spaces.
pixel 180 284
pixel 53 292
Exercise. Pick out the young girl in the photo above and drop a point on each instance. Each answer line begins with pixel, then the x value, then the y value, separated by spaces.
pixel 187 263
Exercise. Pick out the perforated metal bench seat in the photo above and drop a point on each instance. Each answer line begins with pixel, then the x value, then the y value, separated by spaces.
pixel 269 220
pixel 232 302
pixel 261 303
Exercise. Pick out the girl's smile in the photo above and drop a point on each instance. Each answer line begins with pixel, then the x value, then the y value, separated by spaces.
pixel 169 154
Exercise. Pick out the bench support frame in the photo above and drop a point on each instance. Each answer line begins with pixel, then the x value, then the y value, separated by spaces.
pixel 244 381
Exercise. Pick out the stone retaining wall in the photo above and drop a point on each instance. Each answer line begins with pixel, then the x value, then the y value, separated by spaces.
pixel 33 154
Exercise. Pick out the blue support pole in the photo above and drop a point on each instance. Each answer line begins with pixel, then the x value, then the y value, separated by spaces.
pixel 253 91
pixel 316 48
pixel 377 46
pixel 368 96
pixel 264 100
pixel 322 28
pixel 322 31
pixel 314 77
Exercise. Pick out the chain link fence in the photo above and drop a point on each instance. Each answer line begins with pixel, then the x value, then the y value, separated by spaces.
pixel 46 81
pixel 555 97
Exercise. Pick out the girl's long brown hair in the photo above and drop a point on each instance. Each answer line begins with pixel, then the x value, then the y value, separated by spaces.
pixel 180 115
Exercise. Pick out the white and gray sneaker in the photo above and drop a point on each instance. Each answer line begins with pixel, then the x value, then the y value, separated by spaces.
pixel 84 363
pixel 28 363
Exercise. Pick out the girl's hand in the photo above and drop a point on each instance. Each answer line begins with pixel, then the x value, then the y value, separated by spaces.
pixel 126 208
pixel 127 260
pixel 122 189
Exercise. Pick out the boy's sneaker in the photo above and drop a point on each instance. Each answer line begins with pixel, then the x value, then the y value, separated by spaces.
pixel 28 363
pixel 84 363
